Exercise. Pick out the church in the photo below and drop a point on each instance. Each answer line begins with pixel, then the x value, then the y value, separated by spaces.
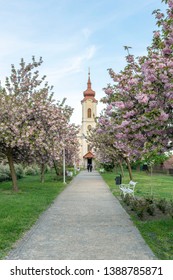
pixel 89 113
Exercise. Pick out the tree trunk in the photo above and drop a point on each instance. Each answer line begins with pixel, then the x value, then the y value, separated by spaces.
pixel 42 172
pixel 56 168
pixel 129 168
pixel 138 168
pixel 151 170
pixel 121 167
pixel 115 167
pixel 12 171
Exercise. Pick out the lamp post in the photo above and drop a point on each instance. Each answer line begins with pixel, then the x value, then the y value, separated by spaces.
pixel 74 165
pixel 64 166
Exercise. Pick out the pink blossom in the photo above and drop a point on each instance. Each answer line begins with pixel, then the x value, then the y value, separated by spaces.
pixel 129 114
pixel 99 130
pixel 170 3
pixel 152 96
pixel 140 136
pixel 124 123
pixel 152 78
pixel 156 34
pixel 129 105
pixel 142 98
pixel 120 136
pixel 159 15
pixel 109 107
pixel 163 116
pixel 167 51
pixel 130 58
pixel 169 41
pixel 108 91
pixel 119 104
pixel 153 104
pixel 133 81
pixel 161 65
pixel 169 95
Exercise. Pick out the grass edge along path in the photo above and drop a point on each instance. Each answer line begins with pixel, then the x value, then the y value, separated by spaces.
pixel 158 234
pixel 19 211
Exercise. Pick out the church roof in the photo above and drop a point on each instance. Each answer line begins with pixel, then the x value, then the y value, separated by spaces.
pixel 89 93
pixel 89 155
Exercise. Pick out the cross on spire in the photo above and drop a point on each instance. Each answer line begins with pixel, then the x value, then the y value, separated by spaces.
pixel 88 71
pixel 89 81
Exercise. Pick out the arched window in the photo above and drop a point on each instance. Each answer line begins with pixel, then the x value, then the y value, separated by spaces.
pixel 89 113
pixel 89 148
pixel 89 127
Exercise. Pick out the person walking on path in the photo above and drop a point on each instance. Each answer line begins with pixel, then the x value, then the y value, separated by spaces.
pixel 88 167
pixel 85 222
pixel 91 167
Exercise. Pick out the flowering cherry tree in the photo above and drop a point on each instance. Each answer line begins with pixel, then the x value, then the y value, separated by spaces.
pixel 140 102
pixel 31 122
pixel 100 137
pixel 16 114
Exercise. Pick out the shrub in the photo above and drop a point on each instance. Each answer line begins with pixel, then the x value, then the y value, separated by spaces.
pixel 140 206
pixel 170 208
pixel 108 166
pixel 140 211
pixel 149 200
pixel 126 199
pixel 143 207
pixel 47 169
pixel 4 177
pixel 150 206
pixel 32 170
pixel 19 171
pixel 162 204
pixel 151 209
pixel 4 173
pixel 134 204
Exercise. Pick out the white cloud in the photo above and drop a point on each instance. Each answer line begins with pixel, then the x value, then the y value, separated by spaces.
pixel 72 64
pixel 12 44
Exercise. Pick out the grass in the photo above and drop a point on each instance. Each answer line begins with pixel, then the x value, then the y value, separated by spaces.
pixel 19 211
pixel 158 234
pixel 157 185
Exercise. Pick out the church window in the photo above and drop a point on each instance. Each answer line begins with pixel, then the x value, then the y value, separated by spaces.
pixel 89 148
pixel 89 113
pixel 89 127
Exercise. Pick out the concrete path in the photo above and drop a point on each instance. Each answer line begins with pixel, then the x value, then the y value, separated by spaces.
pixel 85 222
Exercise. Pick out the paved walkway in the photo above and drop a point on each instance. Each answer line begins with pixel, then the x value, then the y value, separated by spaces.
pixel 85 222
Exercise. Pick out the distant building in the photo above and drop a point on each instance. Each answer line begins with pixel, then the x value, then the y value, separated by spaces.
pixel 89 113
pixel 168 165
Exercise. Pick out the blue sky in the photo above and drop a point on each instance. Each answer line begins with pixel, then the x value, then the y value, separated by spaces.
pixel 72 35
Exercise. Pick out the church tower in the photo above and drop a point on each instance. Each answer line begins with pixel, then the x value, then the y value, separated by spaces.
pixel 89 113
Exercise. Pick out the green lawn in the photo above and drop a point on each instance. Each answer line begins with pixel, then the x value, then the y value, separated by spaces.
pixel 20 210
pixel 157 233
pixel 157 185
